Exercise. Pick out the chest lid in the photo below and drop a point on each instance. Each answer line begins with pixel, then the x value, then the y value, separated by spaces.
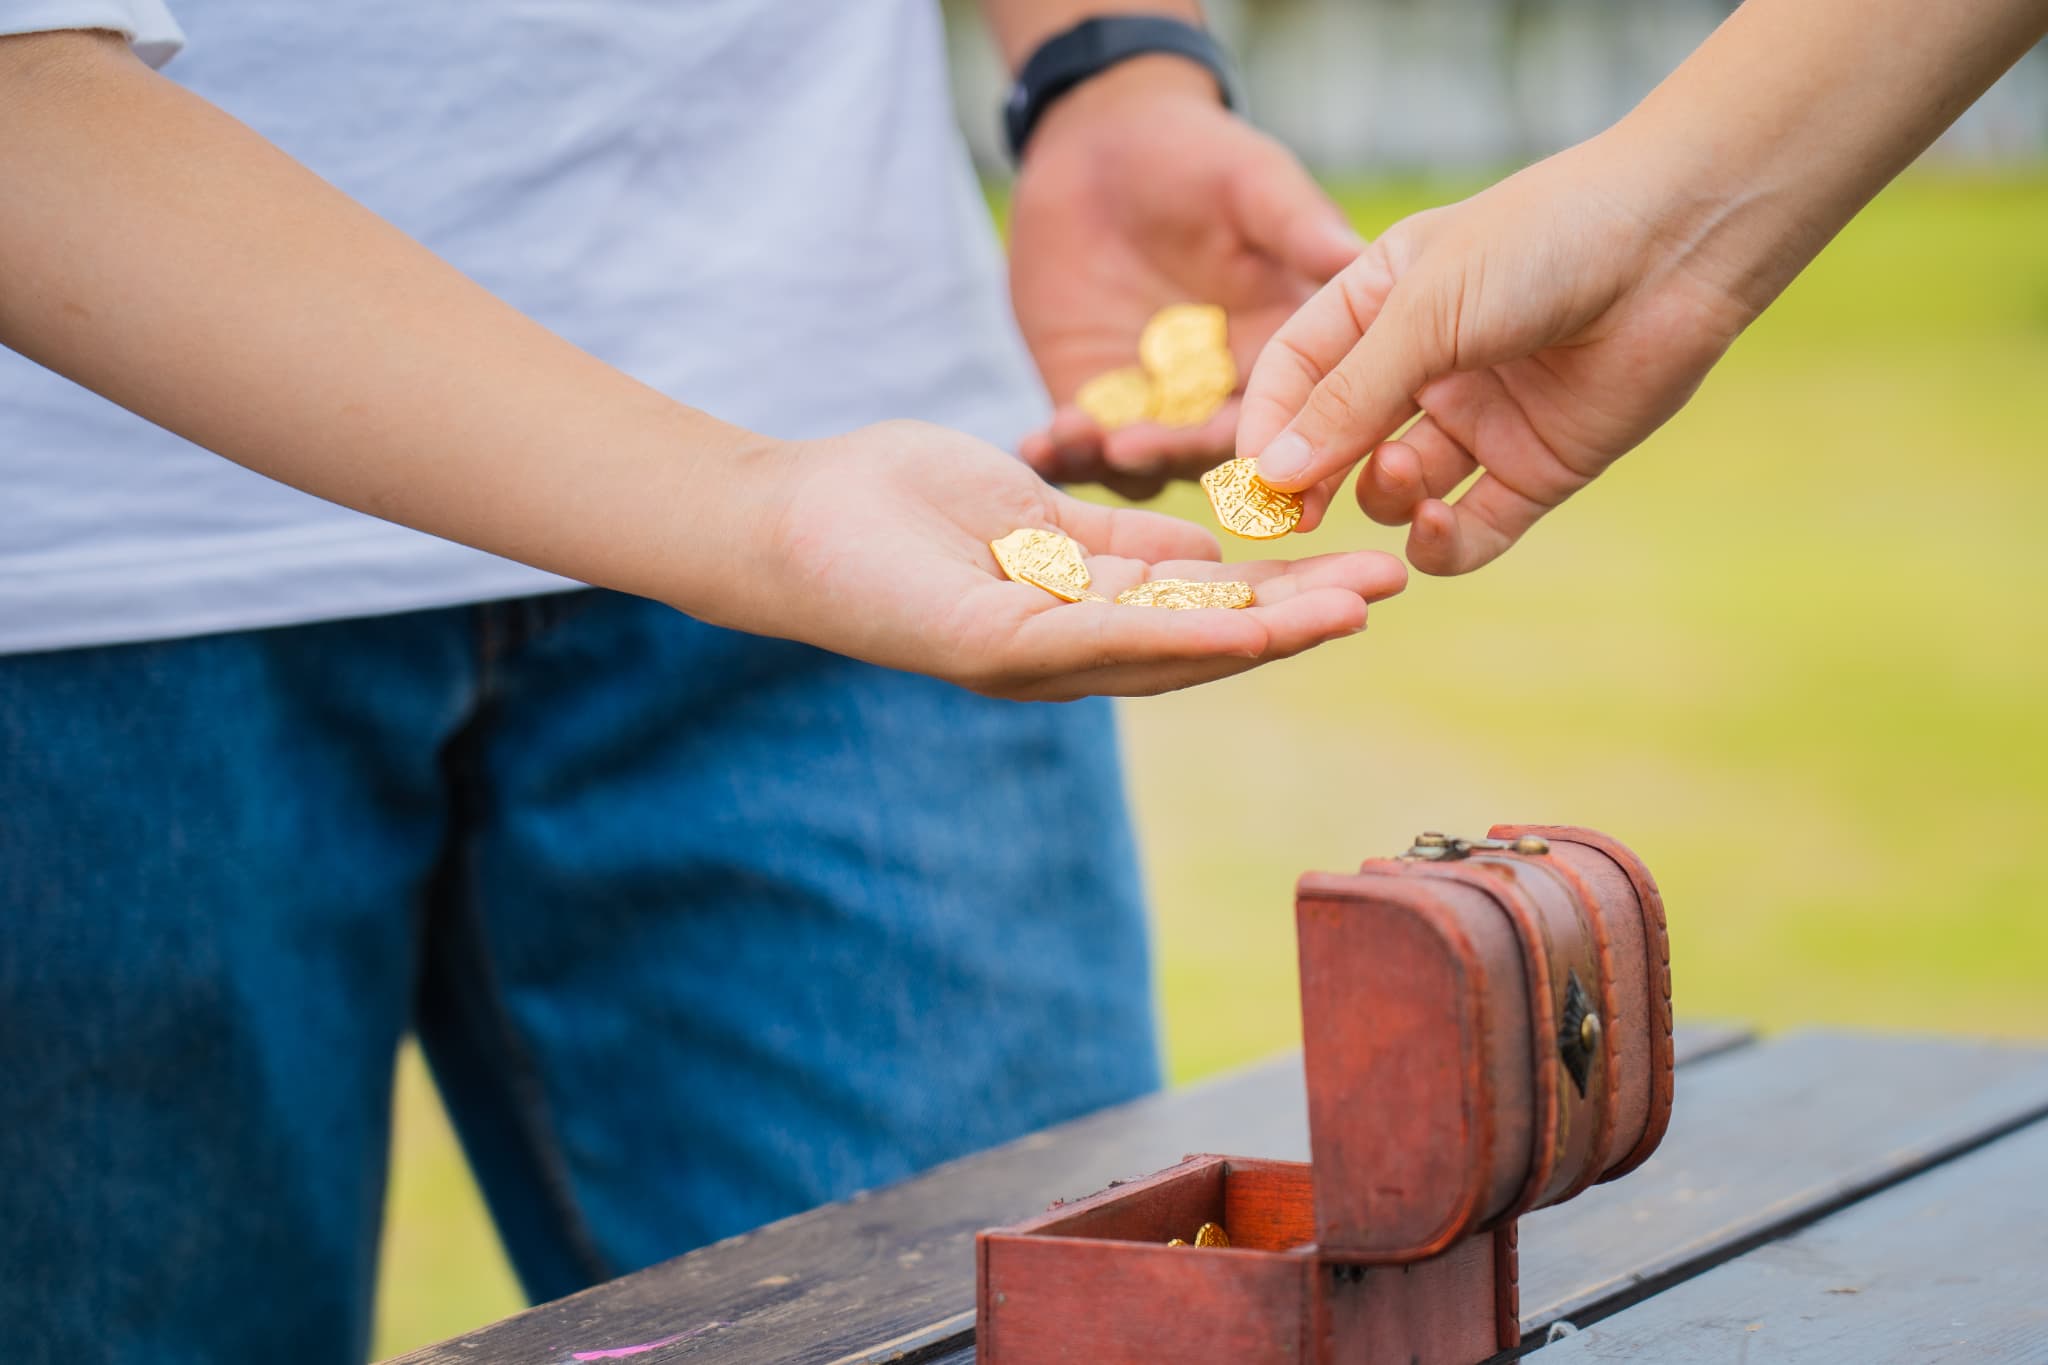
pixel 1477 1019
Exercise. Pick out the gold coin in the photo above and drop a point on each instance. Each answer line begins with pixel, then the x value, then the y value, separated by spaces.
pixel 1118 398
pixel 1187 594
pixel 1182 330
pixel 1044 559
pixel 1190 393
pixel 1247 505
pixel 1211 1235
pixel 1178 1242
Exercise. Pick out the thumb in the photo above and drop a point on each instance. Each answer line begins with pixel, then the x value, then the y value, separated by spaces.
pixel 1283 212
pixel 1341 376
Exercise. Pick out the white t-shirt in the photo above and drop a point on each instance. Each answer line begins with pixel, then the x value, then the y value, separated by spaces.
pixel 760 207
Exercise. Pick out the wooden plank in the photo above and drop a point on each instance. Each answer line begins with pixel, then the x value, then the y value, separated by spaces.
pixel 1952 1265
pixel 890 1275
pixel 1763 1141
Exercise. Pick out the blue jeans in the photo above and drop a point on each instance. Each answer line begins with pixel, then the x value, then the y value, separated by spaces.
pixel 697 930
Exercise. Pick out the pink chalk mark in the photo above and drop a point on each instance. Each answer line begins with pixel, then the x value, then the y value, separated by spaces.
pixel 618 1352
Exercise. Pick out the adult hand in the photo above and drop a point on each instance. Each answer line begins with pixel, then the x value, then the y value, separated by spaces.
pixel 881 551
pixel 1138 190
pixel 1543 328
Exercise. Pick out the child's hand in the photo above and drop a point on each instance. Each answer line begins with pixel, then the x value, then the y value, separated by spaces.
pixel 392 384
pixel 881 552
pixel 1543 328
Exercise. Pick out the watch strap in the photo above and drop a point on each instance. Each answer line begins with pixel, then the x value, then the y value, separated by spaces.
pixel 1091 47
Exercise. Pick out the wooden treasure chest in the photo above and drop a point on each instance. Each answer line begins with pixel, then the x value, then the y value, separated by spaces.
pixel 1487 1029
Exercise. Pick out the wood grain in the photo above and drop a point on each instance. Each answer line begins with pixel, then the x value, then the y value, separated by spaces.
pixel 890 1275
pixel 1763 1141
pixel 1951 1266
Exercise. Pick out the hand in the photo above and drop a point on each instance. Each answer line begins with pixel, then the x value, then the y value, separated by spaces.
pixel 880 550
pixel 1138 190
pixel 1543 328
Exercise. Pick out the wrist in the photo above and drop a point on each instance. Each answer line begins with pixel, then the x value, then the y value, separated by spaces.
pixel 1717 215
pixel 670 504
pixel 1121 93
pixel 1091 52
pixel 728 566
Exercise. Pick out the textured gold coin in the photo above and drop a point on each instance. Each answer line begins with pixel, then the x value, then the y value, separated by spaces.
pixel 1178 1242
pixel 1187 594
pixel 1044 559
pixel 1182 330
pixel 1247 505
pixel 1190 393
pixel 1211 1235
pixel 1118 398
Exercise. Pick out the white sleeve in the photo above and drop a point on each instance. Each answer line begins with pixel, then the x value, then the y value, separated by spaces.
pixel 146 24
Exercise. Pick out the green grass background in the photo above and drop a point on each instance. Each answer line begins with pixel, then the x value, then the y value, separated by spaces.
pixel 1795 651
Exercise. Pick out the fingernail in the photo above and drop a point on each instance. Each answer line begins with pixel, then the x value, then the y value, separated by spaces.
pixel 1286 458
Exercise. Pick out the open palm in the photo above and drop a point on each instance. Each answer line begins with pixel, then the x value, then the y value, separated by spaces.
pixel 1130 200
pixel 883 554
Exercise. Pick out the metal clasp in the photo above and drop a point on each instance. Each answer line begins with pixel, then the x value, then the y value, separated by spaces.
pixel 1432 847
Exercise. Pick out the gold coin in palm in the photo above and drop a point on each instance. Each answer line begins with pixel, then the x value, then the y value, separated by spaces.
pixel 1190 393
pixel 1045 559
pixel 1118 398
pixel 1179 331
pixel 1187 594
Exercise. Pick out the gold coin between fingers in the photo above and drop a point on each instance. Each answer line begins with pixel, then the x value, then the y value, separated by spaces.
pixel 1179 331
pixel 1211 1235
pixel 1187 594
pixel 1247 505
pixel 1118 398
pixel 1045 559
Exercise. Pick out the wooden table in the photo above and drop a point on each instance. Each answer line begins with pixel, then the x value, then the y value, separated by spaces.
pixel 1820 1197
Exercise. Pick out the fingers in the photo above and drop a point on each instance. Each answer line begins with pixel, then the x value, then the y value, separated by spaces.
pixel 1090 649
pixel 1147 448
pixel 1358 402
pixel 1372 576
pixel 1366 574
pixel 1425 462
pixel 1130 533
pixel 1068 449
pixel 1343 373
pixel 1307 346
pixel 1135 462
pixel 1455 538
pixel 1281 210
pixel 1336 379
pixel 1066 638
pixel 1315 502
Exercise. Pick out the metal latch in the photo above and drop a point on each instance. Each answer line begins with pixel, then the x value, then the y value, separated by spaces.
pixel 1442 848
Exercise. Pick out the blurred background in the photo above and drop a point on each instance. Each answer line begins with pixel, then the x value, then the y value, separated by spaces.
pixel 1794 651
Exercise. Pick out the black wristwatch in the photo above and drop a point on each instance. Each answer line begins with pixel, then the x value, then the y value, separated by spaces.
pixel 1092 46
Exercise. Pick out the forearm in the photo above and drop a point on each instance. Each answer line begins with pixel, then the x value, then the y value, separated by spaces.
pixel 1784 123
pixel 162 254
pixel 1021 25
